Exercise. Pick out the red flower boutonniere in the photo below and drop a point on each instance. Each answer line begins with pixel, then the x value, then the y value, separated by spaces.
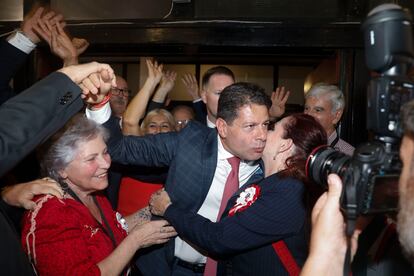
pixel 245 199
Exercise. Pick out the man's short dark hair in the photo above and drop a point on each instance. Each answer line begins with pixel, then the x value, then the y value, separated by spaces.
pixel 217 70
pixel 237 95
pixel 407 117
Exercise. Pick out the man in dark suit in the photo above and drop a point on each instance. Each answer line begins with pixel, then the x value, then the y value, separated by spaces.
pixel 11 59
pixel 198 167
pixel 27 120
pixel 205 102
pixel 20 44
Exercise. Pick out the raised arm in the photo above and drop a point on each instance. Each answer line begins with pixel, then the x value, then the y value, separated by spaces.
pixel 191 85
pixel 62 46
pixel 32 116
pixel 166 85
pixel 279 99
pixel 15 50
pixel 136 108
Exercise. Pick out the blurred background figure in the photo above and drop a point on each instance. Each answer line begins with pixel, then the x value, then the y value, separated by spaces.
pixel 182 115
pixel 158 121
pixel 326 103
pixel 119 97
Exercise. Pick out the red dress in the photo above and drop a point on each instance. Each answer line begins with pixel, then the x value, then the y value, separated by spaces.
pixel 61 237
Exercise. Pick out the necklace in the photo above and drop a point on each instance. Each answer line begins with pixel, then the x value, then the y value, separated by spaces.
pixel 107 229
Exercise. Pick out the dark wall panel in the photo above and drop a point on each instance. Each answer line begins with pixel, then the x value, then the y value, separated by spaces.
pixel 248 9
pixel 112 10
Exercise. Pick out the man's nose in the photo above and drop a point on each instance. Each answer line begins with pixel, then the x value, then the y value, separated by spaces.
pixel 262 132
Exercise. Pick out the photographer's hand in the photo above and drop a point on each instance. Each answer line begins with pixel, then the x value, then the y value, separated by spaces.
pixel 328 239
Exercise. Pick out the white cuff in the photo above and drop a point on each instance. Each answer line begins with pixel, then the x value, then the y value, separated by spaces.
pixel 100 115
pixel 21 42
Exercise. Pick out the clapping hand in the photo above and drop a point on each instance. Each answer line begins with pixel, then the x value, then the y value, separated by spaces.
pixel 33 25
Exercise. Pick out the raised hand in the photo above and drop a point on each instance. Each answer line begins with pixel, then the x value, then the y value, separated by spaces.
pixel 279 99
pixel 191 84
pixel 95 80
pixel 97 87
pixel 166 85
pixel 168 80
pixel 80 45
pixel 154 71
pixel 60 43
pixel 62 46
pixel 29 23
pixel 35 25
pixel 21 195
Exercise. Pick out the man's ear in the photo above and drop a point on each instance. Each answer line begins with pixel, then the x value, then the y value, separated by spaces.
pixel 203 95
pixel 221 126
pixel 337 116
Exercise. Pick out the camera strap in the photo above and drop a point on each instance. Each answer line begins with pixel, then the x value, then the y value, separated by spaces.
pixel 350 227
pixel 351 214
pixel 335 141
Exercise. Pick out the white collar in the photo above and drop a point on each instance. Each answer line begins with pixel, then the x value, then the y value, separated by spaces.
pixel 210 124
pixel 222 153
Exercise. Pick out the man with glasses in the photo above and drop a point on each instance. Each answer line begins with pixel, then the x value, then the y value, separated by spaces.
pixel 119 97
pixel 182 115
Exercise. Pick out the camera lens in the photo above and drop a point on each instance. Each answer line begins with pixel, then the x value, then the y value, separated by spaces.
pixel 325 160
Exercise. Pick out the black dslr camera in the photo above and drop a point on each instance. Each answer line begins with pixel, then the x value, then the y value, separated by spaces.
pixel 371 175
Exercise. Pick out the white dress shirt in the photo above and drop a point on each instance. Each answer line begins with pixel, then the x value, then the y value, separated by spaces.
pixel 211 205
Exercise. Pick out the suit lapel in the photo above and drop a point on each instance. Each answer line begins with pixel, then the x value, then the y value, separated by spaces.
pixel 209 162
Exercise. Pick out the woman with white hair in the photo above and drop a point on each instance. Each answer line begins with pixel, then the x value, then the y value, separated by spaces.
pixel 80 234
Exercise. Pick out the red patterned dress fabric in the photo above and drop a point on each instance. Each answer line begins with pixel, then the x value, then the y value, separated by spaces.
pixel 61 237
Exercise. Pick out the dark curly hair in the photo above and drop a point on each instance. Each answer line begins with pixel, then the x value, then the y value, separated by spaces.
pixel 306 134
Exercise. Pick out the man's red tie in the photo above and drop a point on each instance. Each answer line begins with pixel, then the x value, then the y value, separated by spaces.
pixel 231 186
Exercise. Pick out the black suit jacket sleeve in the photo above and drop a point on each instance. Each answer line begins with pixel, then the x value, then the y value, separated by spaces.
pixel 278 213
pixel 31 117
pixel 11 59
pixel 154 105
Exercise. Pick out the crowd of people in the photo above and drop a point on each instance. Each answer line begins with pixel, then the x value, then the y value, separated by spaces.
pixel 131 185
